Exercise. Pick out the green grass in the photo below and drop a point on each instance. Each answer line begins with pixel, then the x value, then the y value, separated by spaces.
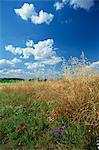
pixel 25 124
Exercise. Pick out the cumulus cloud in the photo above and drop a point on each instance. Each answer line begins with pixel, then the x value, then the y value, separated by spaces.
pixel 41 50
pixel 41 64
pixel 36 65
pixel 27 11
pixel 59 5
pixel 52 61
pixel 29 43
pixel 44 49
pixel 13 50
pixel 42 17
pixel 26 52
pixel 44 54
pixel 84 4
pixel 15 60
pixel 9 62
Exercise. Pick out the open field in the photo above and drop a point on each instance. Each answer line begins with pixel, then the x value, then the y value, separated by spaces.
pixel 60 114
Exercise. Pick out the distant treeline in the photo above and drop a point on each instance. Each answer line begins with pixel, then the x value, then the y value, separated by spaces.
pixel 10 80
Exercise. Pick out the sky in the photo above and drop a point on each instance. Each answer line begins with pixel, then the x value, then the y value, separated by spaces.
pixel 36 35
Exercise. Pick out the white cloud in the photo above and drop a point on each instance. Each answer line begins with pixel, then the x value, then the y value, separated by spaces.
pixel 44 49
pixel 15 60
pixel 29 43
pixel 94 65
pixel 41 50
pixel 52 61
pixel 36 65
pixel 85 4
pixel 27 11
pixel 41 72
pixel 9 62
pixel 58 5
pixel 42 17
pixel 65 1
pixel 13 50
pixel 92 69
pixel 15 73
pixel 41 64
pixel 26 52
pixel 44 54
pixel 27 74
pixel 11 71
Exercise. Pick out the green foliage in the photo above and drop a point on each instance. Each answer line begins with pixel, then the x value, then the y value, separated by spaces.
pixel 24 124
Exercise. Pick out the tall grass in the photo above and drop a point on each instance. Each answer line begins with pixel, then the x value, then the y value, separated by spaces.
pixel 75 67
pixel 59 114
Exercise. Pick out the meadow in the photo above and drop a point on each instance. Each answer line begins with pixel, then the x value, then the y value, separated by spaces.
pixel 57 114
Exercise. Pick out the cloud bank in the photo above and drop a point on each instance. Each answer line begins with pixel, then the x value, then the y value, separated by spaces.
pixel 29 74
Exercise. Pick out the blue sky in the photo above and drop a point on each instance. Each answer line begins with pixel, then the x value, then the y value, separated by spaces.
pixel 36 34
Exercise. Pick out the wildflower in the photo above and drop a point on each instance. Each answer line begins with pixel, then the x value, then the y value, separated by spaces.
pixel 53 118
pixel 57 131
pixel 57 116
pixel 63 126
pixel 66 113
pixel 89 130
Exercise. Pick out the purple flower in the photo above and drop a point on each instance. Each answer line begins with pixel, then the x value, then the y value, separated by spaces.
pixel 57 131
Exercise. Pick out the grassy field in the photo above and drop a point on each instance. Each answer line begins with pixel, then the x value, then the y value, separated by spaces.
pixel 59 114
